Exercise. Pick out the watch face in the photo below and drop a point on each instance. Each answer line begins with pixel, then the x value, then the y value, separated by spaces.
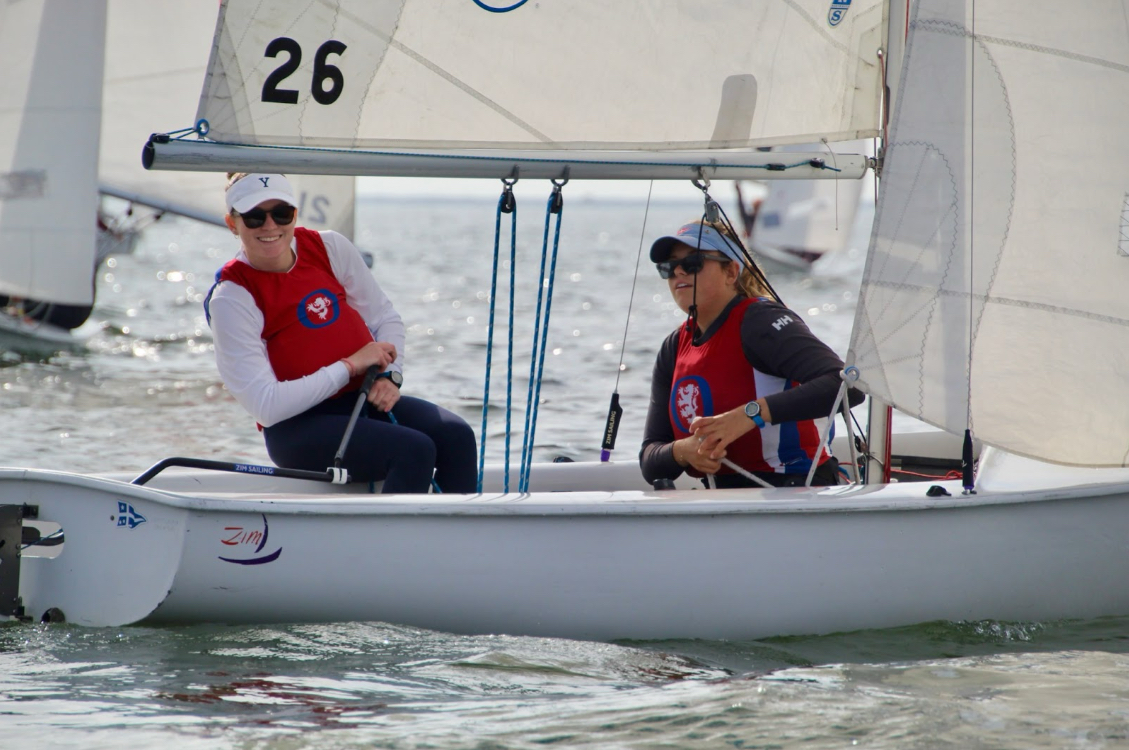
pixel 396 378
pixel 752 409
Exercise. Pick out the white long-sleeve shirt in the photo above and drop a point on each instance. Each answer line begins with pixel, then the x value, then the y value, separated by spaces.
pixel 241 353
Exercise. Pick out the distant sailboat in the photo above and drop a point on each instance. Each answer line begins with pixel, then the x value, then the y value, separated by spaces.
pixel 798 222
pixel 49 129
pixel 71 133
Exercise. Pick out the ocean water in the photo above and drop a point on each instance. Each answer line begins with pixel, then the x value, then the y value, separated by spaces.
pixel 145 387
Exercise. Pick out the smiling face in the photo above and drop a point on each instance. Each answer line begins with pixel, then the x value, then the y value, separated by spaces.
pixel 268 247
pixel 716 283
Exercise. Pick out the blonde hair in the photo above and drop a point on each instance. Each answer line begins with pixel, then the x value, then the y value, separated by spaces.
pixel 749 281
pixel 234 177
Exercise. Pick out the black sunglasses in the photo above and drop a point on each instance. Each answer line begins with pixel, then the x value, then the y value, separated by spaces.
pixel 691 264
pixel 282 214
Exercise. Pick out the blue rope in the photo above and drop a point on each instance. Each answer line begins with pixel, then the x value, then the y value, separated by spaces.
pixel 544 337
pixel 510 345
pixel 555 202
pixel 527 445
pixel 490 338
pixel 434 484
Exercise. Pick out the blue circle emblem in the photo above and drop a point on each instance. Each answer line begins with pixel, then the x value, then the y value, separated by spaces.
pixel 318 309
pixel 690 398
pixel 497 9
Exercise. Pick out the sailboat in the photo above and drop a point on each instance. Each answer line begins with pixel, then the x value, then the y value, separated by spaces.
pixel 73 118
pixel 797 223
pixel 986 309
pixel 48 157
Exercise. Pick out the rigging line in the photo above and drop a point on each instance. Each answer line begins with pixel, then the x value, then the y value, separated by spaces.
pixel 505 201
pixel 971 208
pixel 555 205
pixel 634 282
pixel 750 264
pixel 526 448
pixel 968 475
pixel 538 345
pixel 510 343
pixel 836 163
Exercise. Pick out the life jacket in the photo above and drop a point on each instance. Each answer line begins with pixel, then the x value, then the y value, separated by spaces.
pixel 714 377
pixel 307 324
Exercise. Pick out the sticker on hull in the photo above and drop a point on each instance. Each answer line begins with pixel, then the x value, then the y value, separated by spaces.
pixel 240 538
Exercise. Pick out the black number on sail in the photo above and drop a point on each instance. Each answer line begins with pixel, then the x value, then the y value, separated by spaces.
pixel 323 72
pixel 271 91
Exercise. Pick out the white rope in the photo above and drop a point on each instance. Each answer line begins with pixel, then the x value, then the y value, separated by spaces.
pixel 747 474
pixel 849 375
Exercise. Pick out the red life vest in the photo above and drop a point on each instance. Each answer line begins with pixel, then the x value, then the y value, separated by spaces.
pixel 715 377
pixel 307 324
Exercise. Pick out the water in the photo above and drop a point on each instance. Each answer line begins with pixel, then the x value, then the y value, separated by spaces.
pixel 146 388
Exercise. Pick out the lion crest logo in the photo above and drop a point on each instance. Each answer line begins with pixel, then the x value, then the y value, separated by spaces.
pixel 318 309
pixel 689 399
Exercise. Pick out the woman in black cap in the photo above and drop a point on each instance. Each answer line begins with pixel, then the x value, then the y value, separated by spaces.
pixel 743 379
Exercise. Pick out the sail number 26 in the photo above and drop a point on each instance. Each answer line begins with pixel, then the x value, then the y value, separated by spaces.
pixel 323 72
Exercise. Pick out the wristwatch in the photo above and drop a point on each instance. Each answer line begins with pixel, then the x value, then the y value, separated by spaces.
pixel 753 412
pixel 396 378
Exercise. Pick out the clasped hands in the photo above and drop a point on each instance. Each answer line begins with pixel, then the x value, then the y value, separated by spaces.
pixel 384 394
pixel 709 438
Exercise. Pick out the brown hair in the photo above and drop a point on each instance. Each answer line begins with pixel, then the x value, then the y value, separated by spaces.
pixel 749 282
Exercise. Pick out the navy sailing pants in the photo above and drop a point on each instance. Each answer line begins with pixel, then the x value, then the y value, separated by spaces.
pixel 426 439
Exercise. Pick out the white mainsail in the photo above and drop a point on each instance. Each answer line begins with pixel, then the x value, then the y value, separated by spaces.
pixel 152 81
pixel 994 291
pixel 589 74
pixel 51 55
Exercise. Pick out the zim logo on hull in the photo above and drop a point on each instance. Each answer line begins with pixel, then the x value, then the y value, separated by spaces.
pixel 243 537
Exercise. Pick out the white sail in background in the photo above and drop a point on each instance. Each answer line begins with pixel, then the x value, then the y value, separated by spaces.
pixel 51 55
pixel 585 74
pixel 806 219
pixel 995 287
pixel 153 80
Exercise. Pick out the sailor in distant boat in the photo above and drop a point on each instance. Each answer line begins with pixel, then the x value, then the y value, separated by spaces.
pixel 744 379
pixel 297 320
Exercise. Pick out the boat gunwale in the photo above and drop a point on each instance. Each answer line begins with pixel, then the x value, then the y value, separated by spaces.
pixel 628 503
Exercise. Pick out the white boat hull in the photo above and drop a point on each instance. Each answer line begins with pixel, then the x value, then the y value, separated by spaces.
pixel 19 334
pixel 600 565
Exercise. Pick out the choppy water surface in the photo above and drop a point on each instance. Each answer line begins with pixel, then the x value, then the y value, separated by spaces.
pixel 146 388
pixel 1056 685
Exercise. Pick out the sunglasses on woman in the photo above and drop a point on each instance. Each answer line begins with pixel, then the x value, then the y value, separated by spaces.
pixel 691 264
pixel 282 214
